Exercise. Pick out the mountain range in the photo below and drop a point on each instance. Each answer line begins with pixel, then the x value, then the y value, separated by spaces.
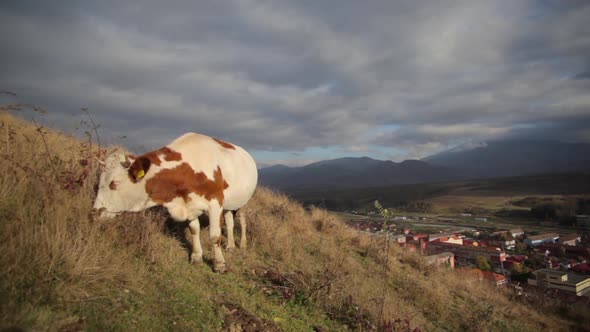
pixel 483 160
pixel 515 158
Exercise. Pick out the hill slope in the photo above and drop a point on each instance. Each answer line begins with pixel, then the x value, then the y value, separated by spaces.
pixel 354 173
pixel 304 270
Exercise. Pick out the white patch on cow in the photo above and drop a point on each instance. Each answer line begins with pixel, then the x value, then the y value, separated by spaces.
pixel 177 209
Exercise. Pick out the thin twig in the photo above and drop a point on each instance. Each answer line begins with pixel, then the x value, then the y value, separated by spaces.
pixel 94 127
pixel 40 131
pixel 385 213
pixel 7 131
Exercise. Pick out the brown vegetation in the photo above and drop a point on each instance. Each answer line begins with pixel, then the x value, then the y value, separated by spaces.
pixel 62 270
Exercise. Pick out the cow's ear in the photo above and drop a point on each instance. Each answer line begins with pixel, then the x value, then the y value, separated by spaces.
pixel 139 169
pixel 129 159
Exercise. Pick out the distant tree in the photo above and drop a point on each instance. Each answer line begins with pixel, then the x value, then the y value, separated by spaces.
pixel 583 206
pixel 534 262
pixel 562 212
pixel 521 248
pixel 482 263
pixel 417 206
pixel 517 268
pixel 544 211
pixel 519 272
pixel 561 252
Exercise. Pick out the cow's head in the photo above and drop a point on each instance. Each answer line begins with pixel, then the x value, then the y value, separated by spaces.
pixel 121 187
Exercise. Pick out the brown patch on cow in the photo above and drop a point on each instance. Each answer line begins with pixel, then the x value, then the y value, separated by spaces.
pixel 169 154
pixel 143 162
pixel 181 181
pixel 140 164
pixel 113 185
pixel 225 144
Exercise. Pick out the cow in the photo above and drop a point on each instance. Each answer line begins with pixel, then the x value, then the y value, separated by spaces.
pixel 192 175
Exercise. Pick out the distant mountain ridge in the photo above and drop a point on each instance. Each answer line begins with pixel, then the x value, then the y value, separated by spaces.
pixel 515 158
pixel 480 160
pixel 353 173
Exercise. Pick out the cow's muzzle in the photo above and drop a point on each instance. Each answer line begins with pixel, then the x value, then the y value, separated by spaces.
pixel 97 213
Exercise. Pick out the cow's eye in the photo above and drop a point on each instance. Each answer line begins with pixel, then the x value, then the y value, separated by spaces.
pixel 113 185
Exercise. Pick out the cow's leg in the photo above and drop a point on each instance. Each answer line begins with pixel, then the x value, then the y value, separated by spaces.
pixel 243 240
pixel 229 227
pixel 215 215
pixel 197 252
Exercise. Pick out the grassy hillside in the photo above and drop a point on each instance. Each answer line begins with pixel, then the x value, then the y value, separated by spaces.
pixel 303 270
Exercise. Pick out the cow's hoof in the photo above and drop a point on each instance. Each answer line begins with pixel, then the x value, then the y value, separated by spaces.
pixel 196 260
pixel 230 249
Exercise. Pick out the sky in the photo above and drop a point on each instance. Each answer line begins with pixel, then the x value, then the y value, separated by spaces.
pixel 300 81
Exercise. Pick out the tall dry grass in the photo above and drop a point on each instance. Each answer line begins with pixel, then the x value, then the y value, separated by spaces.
pixel 341 271
pixel 52 251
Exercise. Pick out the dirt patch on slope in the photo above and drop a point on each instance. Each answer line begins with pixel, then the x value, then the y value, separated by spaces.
pixel 239 320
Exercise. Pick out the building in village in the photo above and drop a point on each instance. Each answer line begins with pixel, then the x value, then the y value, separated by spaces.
pixel 416 237
pixel 557 250
pixel 570 240
pixel 399 239
pixel 452 239
pixel 583 220
pixel 504 240
pixel 466 254
pixel 583 268
pixel 536 240
pixel 437 236
pixel 415 242
pixel 495 278
pixel 562 281
pixel 442 259
pixel 513 260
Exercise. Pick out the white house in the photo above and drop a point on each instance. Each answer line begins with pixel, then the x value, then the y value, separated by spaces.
pixel 536 240
pixel 517 232
pixel 570 239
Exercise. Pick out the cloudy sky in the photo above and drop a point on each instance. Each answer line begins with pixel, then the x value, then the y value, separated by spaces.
pixel 299 81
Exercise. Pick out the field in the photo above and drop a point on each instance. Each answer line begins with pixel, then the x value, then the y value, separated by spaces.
pixel 304 269
pixel 498 200
pixel 488 193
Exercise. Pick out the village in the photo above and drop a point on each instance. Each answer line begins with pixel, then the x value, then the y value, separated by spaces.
pixel 547 263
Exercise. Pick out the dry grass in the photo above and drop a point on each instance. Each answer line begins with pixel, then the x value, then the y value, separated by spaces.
pixel 303 269
pixel 310 245
pixel 52 252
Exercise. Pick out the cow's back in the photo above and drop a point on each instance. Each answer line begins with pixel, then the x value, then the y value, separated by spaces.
pixel 238 168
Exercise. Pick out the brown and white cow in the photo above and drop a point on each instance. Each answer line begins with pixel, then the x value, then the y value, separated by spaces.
pixel 194 174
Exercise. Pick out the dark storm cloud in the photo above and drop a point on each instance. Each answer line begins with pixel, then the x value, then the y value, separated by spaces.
pixel 289 75
pixel 582 76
